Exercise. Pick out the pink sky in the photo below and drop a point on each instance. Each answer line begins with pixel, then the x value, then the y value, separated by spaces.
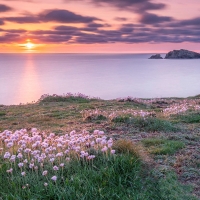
pixel 85 26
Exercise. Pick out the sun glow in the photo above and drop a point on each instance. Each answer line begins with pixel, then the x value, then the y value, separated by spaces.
pixel 29 45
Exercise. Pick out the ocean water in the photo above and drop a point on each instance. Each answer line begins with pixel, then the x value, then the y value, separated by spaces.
pixel 25 77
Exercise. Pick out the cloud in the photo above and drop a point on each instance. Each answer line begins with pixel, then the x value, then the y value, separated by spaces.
pixel 120 19
pixel 22 19
pixel 10 38
pixel 129 5
pixel 5 8
pixel 64 16
pixel 149 18
pixel 1 22
pixel 13 30
pixel 55 15
pixel 195 22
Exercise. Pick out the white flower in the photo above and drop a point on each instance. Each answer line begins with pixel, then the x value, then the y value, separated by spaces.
pixel 23 173
pixel 45 184
pixel 54 178
pixel 44 173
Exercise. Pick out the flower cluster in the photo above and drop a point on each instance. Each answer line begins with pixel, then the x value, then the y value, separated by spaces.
pixel 37 151
pixel 146 101
pixel 182 107
pixel 112 114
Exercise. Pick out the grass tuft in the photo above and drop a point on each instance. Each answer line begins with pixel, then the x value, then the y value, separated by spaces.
pixel 160 146
pixel 126 146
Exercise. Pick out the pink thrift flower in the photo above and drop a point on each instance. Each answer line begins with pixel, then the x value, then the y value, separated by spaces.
pixel 44 173
pixel 112 151
pixel 23 173
pixel 55 168
pixel 54 178
pixel 104 149
pixel 7 155
pixel 20 165
pixel 62 165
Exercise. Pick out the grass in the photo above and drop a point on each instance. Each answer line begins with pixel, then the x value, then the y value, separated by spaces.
pixel 160 146
pixel 107 178
pixel 171 189
pixel 2 114
pixel 64 99
pixel 121 177
pixel 149 124
pixel 154 125
pixel 190 118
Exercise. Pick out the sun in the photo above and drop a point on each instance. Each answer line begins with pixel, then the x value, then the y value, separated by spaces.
pixel 29 45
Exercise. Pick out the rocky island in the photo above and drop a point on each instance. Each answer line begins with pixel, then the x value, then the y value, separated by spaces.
pixel 157 56
pixel 182 54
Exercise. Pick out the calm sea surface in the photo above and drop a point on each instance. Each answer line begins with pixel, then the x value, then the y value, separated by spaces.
pixel 25 77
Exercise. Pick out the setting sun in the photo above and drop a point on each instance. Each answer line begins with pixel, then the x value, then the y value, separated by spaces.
pixel 29 45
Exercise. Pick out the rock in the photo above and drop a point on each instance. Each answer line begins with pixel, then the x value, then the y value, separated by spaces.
pixel 182 54
pixel 157 56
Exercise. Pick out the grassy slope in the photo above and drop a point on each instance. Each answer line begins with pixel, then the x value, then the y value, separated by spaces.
pixel 172 144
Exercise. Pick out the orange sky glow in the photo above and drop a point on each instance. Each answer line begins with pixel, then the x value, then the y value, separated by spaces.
pixel 85 26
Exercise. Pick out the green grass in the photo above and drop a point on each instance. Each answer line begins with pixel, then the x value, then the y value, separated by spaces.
pixel 171 189
pixel 148 124
pixel 106 178
pixel 2 114
pixel 154 125
pixel 160 146
pixel 190 118
pixel 64 99
pixel 111 178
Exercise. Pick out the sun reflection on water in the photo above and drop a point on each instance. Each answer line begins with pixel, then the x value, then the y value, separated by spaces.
pixel 30 87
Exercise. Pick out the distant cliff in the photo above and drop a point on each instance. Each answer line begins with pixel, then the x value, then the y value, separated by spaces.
pixel 157 56
pixel 182 54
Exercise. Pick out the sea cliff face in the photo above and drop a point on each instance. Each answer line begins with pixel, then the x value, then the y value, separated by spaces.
pixel 182 54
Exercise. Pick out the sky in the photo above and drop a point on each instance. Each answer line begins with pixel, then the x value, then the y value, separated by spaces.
pixel 99 26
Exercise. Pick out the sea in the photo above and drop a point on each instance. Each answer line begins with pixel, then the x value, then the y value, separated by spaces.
pixel 24 78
